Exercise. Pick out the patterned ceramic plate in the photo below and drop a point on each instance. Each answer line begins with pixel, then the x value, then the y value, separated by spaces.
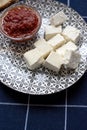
pixel 13 70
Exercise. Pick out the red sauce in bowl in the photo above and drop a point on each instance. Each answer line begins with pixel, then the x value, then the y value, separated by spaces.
pixel 20 21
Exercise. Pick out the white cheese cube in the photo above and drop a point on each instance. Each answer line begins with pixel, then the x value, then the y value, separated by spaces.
pixel 33 58
pixel 58 19
pixel 68 46
pixel 57 41
pixel 40 41
pixel 53 62
pixel 51 31
pixel 72 59
pixel 71 33
pixel 43 47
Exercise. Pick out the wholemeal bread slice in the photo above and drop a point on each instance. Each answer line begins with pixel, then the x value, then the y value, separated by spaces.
pixel 6 3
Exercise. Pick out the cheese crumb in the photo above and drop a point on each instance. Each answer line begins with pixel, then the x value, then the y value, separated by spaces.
pixel 57 41
pixel 33 58
pixel 58 19
pixel 53 62
pixel 38 42
pixel 71 33
pixel 43 47
pixel 68 46
pixel 51 31
pixel 72 59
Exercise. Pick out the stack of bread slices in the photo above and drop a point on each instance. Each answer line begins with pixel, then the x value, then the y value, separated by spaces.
pixel 6 3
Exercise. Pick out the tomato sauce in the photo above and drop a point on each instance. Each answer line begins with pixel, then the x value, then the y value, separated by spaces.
pixel 19 21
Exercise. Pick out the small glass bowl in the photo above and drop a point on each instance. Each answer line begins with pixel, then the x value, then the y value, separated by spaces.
pixel 24 37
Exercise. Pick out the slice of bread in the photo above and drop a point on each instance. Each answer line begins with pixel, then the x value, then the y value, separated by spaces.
pixel 6 3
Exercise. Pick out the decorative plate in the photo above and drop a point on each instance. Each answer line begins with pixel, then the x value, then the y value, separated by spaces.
pixel 13 69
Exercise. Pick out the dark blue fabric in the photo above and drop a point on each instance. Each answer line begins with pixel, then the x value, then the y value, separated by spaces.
pixel 12 117
pixel 77 119
pixel 80 6
pixel 47 112
pixel 46 118
pixel 9 95
pixel 77 94
pixel 54 99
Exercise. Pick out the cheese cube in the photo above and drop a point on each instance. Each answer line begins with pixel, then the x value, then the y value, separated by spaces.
pixel 56 41
pixel 68 46
pixel 43 47
pixel 58 19
pixel 51 31
pixel 33 58
pixel 40 41
pixel 72 59
pixel 71 33
pixel 53 62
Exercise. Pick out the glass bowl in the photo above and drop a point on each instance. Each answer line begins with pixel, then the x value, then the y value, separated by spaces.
pixel 25 36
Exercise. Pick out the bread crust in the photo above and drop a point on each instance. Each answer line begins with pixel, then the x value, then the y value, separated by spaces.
pixel 8 3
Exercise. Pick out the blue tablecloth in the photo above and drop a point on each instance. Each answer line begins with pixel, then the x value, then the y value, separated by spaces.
pixel 66 110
